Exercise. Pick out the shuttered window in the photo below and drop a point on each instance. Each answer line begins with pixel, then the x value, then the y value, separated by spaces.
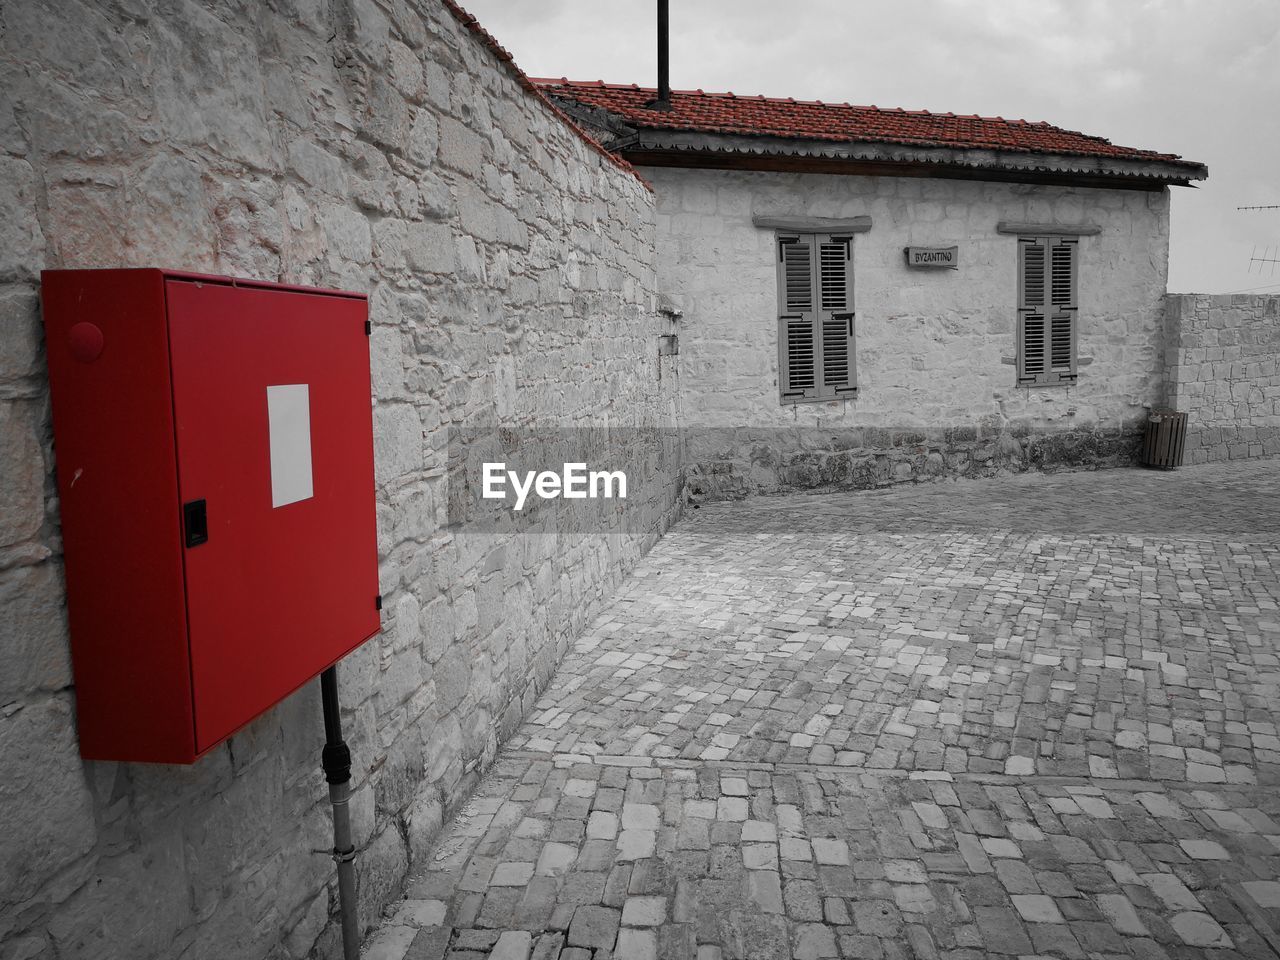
pixel 1047 309
pixel 815 317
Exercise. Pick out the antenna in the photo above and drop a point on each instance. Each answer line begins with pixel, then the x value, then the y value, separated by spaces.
pixel 1270 256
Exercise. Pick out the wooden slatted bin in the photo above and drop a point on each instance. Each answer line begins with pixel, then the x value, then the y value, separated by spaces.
pixel 1164 440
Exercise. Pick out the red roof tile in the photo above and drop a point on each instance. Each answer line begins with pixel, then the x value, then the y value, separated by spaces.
pixel 727 113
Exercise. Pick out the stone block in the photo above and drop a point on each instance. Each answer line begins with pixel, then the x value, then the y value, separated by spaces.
pixel 370 30
pixel 478 214
pixel 137 897
pixel 85 213
pixel 425 247
pixel 594 927
pixel 422 825
pixel 478 743
pixel 401 775
pixel 316 166
pixel 300 940
pixel 1200 930
pixel 22 472
pixel 389 942
pixel 453 679
pixel 13 139
pixel 22 244
pixel 195 103
pixel 20 334
pixel 33 632
pixel 49 820
pixel 512 945
pixel 397 441
pixel 638 944
pixel 251 229
pixel 556 859
pixel 348 234
pixel 64 124
pixel 169 217
pixel 404 67
pixel 381 869
pixel 387 117
pixel 424 139
pixel 461 148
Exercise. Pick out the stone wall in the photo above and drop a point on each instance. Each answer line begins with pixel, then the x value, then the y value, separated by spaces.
pixel 378 146
pixel 936 389
pixel 1223 370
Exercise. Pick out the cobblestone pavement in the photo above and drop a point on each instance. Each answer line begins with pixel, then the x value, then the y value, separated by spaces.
pixel 1023 717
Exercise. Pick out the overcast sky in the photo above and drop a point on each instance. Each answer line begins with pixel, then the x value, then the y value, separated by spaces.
pixel 1200 78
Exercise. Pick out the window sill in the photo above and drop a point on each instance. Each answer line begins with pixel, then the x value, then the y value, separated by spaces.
pixel 1065 382
pixel 797 401
pixel 1080 361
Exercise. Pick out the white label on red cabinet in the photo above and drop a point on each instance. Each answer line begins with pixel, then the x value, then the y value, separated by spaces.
pixel 289 426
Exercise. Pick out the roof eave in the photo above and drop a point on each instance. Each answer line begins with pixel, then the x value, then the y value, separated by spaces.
pixel 652 147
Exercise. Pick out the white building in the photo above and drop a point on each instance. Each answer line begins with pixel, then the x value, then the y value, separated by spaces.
pixel 869 295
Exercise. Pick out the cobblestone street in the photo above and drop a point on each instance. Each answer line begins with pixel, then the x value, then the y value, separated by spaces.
pixel 1028 716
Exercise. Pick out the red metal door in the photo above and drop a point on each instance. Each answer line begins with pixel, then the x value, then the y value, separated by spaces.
pixel 286 582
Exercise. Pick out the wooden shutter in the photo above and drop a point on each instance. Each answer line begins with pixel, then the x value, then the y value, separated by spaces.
pixel 798 346
pixel 1047 280
pixel 1031 313
pixel 835 282
pixel 1063 257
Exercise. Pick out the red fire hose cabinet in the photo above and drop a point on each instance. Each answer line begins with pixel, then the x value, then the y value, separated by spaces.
pixel 214 446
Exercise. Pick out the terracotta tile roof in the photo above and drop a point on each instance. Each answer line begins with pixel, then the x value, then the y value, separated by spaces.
pixel 727 113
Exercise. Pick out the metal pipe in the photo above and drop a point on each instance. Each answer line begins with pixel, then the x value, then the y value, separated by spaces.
pixel 664 52
pixel 336 762
pixel 663 101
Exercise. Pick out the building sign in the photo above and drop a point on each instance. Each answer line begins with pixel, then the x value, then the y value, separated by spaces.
pixel 948 257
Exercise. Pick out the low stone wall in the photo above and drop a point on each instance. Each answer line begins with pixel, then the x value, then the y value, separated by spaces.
pixel 1222 369
pixel 731 464
pixel 376 146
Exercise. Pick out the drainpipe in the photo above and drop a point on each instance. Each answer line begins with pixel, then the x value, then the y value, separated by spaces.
pixel 663 100
pixel 336 762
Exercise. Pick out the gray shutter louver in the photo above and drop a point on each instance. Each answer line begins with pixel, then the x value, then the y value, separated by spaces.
pixel 1063 258
pixel 1032 333
pixel 797 278
pixel 835 275
pixel 797 320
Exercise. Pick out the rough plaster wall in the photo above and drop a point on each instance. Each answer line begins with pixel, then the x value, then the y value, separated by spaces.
pixel 935 396
pixel 1223 371
pixel 367 145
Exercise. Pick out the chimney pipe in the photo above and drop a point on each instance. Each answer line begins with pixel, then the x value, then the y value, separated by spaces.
pixel 663 100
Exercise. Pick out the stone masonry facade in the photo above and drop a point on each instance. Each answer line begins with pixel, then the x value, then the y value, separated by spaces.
pixel 937 393
pixel 376 146
pixel 1223 371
